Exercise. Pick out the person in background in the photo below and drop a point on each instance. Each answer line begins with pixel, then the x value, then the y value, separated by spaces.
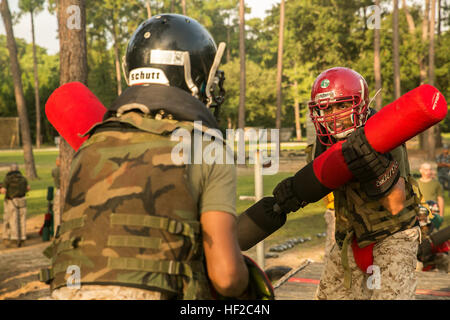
pixel 15 187
pixel 6 230
pixel 443 168
pixel 430 188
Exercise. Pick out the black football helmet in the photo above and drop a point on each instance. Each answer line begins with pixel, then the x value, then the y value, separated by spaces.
pixel 176 50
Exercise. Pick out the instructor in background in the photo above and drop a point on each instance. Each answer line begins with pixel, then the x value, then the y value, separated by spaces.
pixel 430 188
pixel 15 186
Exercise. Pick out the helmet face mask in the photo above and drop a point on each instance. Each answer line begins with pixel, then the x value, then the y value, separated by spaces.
pixel 176 51
pixel 339 104
pixel 330 124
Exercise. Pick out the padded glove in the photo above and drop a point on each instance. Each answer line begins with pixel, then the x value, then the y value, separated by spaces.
pixel 286 196
pixel 258 222
pixel 378 173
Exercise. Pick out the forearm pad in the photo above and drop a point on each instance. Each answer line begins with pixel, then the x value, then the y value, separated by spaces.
pixel 378 173
pixel 296 192
pixel 258 222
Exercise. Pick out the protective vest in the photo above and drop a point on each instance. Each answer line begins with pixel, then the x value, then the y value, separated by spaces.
pixel 369 220
pixel 16 185
pixel 129 217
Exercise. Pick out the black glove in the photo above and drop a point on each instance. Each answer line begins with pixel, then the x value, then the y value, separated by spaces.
pixel 286 197
pixel 378 173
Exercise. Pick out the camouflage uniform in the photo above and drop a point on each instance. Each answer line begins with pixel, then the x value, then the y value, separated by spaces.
pixel 396 241
pixel 16 205
pixel 131 217
pixel 6 229
pixel 392 277
pixel 93 292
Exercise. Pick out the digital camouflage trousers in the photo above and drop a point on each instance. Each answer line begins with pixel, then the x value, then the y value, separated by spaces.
pixel 393 271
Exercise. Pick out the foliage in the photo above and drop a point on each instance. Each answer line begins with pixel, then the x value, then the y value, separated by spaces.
pixel 319 34
pixel 28 6
pixel 48 78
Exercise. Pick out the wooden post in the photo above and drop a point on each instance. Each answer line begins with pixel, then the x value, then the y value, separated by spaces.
pixel 258 196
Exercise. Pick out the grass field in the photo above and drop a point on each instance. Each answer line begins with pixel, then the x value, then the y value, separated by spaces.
pixel 306 222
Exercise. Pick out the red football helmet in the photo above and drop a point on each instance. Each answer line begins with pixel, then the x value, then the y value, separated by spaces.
pixel 333 86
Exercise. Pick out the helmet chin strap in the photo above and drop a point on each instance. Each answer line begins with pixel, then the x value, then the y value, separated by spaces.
pixel 343 135
pixel 213 73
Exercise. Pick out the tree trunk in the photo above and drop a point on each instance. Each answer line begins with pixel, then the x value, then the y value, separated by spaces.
pixel 36 87
pixel 422 64
pixel 439 20
pixel 183 6
pixel 364 19
pixel 149 9
pixel 172 6
pixel 241 116
pixel 116 56
pixel 422 72
pixel 280 66
pixel 431 145
pixel 377 66
pixel 431 77
pixel 409 19
pixel 30 168
pixel 397 88
pixel 73 67
pixel 228 44
pixel 298 129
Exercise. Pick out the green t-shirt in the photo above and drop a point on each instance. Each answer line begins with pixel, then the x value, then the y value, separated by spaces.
pixel 430 190
pixel 213 185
